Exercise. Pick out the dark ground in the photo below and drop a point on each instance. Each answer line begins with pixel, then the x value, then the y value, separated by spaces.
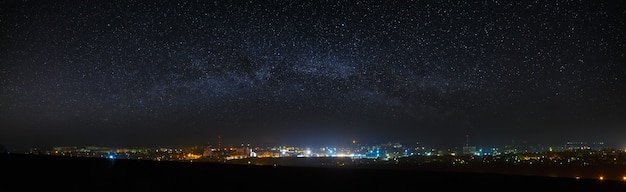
pixel 22 172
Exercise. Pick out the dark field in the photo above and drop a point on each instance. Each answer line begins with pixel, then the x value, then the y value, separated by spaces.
pixel 37 173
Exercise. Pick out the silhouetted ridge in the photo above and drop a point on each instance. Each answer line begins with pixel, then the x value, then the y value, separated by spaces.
pixel 88 174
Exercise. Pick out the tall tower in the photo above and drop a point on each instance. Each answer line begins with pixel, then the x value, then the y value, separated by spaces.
pixel 467 149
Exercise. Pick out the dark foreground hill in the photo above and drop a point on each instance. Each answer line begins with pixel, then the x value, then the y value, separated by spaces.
pixel 22 172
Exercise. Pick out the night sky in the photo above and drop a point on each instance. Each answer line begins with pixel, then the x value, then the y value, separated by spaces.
pixel 148 73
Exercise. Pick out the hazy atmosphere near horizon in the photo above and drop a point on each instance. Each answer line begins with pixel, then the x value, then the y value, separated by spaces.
pixel 147 73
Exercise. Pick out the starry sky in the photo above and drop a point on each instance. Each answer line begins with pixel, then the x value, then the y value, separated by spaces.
pixel 146 73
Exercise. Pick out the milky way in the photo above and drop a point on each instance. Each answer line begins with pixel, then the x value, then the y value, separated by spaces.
pixel 183 72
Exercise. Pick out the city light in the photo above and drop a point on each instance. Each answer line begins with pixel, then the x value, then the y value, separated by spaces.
pixel 355 155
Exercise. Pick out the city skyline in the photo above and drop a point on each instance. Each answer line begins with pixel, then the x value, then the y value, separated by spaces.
pixel 134 73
